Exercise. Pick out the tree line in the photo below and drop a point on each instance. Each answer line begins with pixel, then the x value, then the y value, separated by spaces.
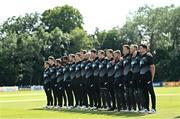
pixel 26 41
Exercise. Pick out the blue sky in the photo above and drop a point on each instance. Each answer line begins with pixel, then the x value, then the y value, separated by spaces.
pixel 103 14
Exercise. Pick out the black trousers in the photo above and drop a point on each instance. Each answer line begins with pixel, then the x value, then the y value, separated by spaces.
pixel 76 91
pixel 110 87
pixel 91 90
pixel 148 89
pixel 129 92
pixel 55 94
pixel 105 92
pixel 48 91
pixel 61 94
pixel 138 90
pixel 106 97
pixel 97 94
pixel 69 92
pixel 83 92
pixel 119 93
pixel 130 98
pixel 64 96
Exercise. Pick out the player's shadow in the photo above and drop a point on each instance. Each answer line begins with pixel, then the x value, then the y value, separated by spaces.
pixel 177 117
pixel 109 113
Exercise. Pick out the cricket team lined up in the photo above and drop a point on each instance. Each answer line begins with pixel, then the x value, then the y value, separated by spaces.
pixel 96 80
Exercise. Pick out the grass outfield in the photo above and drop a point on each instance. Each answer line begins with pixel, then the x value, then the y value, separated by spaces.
pixel 28 104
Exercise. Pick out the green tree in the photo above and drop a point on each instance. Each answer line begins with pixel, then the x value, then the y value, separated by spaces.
pixel 110 39
pixel 79 40
pixel 174 27
pixel 21 24
pixel 58 43
pixel 7 65
pixel 66 18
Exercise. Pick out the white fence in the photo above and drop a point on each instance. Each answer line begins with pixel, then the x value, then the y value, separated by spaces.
pixel 34 88
pixel 8 88
pixel 16 88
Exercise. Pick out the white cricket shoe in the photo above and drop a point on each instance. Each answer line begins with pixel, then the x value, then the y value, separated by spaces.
pixel 144 111
pixel 70 107
pixel 132 110
pixel 56 107
pixel 153 111
pixel 126 110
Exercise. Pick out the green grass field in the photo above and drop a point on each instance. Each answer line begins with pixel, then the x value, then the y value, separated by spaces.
pixel 28 104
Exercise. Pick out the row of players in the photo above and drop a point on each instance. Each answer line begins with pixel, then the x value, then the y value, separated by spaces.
pixel 99 79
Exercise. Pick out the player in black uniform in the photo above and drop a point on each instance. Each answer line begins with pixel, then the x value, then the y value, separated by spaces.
pixel 47 85
pixel 64 62
pixel 90 83
pixel 83 81
pixel 147 72
pixel 110 75
pixel 78 78
pixel 118 81
pixel 73 78
pixel 103 80
pixel 137 83
pixel 52 69
pixel 68 82
pixel 95 67
pixel 60 87
pixel 127 76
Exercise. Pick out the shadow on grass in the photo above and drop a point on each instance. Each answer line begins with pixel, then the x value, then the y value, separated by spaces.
pixel 177 117
pixel 107 113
